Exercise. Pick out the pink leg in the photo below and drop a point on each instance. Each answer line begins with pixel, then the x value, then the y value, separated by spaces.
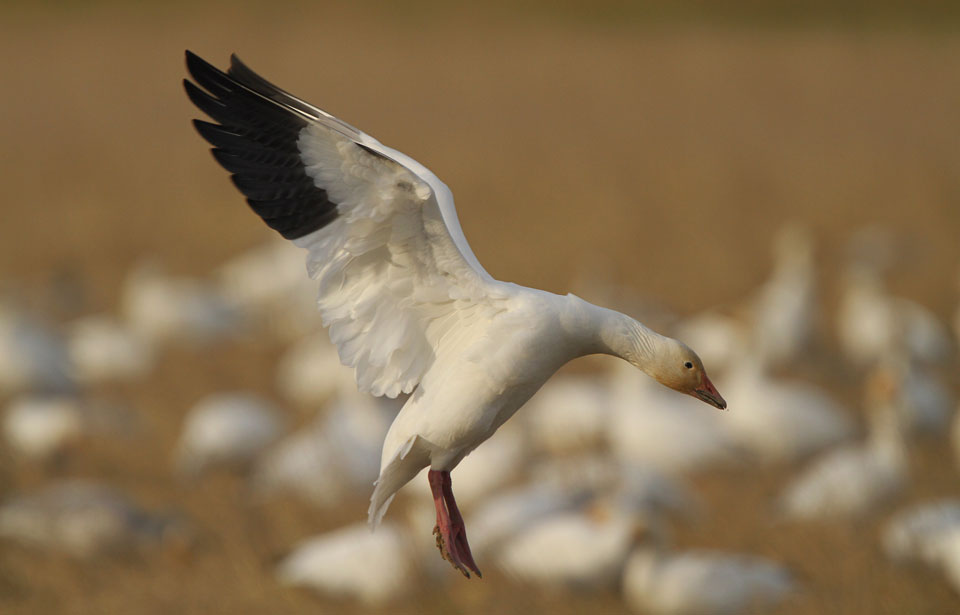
pixel 450 531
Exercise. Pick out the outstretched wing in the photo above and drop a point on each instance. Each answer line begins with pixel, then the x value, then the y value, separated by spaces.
pixel 395 271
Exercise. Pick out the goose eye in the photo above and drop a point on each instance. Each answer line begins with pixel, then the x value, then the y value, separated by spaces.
pixel 688 365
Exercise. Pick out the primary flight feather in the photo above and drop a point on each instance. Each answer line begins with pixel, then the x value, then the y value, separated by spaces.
pixel 405 300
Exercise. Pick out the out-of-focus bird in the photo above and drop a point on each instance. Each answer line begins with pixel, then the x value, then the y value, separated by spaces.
pixel 407 303
pixel 702 582
pixel 338 563
pixel 310 372
pixel 33 357
pixel 497 519
pixel 854 479
pixel 85 519
pixel 570 413
pixel 159 307
pixel 103 349
pixel 225 429
pixel 917 534
pixel 872 323
pixel 581 549
pixel 268 282
pixel 780 420
pixel 785 311
pixel 648 426
pixel 42 426
pixel 924 402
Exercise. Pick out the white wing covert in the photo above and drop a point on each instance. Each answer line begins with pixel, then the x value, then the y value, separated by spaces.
pixel 394 271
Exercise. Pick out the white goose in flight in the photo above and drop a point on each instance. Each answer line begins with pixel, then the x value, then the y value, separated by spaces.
pixel 405 300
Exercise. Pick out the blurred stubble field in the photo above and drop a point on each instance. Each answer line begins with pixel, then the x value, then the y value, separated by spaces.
pixel 660 156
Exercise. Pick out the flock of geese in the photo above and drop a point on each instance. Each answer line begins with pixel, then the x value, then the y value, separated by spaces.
pixel 578 492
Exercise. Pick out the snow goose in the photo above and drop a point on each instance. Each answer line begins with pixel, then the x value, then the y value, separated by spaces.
pixel 785 310
pixel 159 307
pixel 580 549
pixel 781 420
pixel 267 281
pixel 309 373
pixel 498 518
pixel 405 300
pixel 871 323
pixel 227 429
pixel 569 413
pixel 32 355
pixel 673 434
pixel 854 479
pixel 102 348
pixel 917 533
pixel 925 402
pixel 42 426
pixel 85 519
pixel 338 563
pixel 702 582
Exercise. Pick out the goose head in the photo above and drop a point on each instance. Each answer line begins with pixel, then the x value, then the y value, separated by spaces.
pixel 678 367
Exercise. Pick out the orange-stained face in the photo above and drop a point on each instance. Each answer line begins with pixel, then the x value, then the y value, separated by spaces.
pixel 682 370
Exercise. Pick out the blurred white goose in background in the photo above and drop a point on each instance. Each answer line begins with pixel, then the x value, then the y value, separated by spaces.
pixel 577 550
pixel 32 355
pixel 650 426
pixel 505 514
pixel 305 464
pixel 225 429
pixel 310 373
pixel 338 564
pixel 871 323
pixel 637 488
pixel 658 582
pixel 85 519
pixel 924 402
pixel 785 311
pixel 42 426
pixel 159 307
pixel 854 479
pixel 333 456
pixel 916 534
pixel 268 281
pixel 102 348
pixel 569 413
pixel 778 420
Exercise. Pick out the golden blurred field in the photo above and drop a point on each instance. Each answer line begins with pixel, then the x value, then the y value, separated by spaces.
pixel 661 155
